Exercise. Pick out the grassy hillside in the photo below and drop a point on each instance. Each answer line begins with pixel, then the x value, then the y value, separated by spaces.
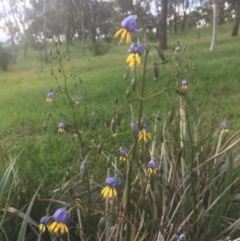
pixel 214 78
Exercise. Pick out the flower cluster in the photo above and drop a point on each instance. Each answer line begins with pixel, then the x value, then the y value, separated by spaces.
pixel 59 222
pixel 109 191
pixel 128 27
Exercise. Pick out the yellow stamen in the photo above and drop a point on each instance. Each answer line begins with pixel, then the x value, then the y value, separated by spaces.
pixel 42 227
pixel 118 33
pixel 114 192
pixel 110 193
pixel 52 226
pixel 128 38
pixel 124 34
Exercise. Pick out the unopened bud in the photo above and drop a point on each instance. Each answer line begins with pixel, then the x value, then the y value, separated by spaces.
pixel 134 129
pixel 83 170
pixel 126 74
pixel 99 148
pixel 155 71
pixel 128 92
pixel 170 116
pixel 113 125
pixel 134 83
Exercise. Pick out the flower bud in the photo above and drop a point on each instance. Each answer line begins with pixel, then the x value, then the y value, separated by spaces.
pixel 134 83
pixel 170 116
pixel 128 92
pixel 134 129
pixel 155 71
pixel 83 170
pixel 113 125
pixel 126 74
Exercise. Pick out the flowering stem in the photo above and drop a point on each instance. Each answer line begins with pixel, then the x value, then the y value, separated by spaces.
pixel 133 152
pixel 70 101
pixel 142 87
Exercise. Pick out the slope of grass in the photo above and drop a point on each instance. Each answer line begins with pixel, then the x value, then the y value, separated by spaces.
pixel 215 78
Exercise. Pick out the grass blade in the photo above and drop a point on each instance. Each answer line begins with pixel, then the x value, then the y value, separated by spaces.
pixel 21 236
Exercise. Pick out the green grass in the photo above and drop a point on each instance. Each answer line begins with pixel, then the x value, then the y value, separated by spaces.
pixel 214 79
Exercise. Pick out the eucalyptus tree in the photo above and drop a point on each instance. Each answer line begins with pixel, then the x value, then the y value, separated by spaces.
pixel 215 24
pixel 236 5
pixel 163 25
pixel 16 23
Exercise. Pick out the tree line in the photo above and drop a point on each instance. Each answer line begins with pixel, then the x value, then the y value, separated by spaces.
pixel 35 22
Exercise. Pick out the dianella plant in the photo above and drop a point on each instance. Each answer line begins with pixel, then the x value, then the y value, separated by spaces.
pixel 152 168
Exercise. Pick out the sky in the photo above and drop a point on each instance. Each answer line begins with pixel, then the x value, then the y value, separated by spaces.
pixel 4 8
pixel 3 36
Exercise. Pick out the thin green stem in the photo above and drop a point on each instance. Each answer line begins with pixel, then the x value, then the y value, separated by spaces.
pixel 70 102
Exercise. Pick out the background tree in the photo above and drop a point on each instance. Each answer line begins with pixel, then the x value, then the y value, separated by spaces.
pixel 163 24
pixel 236 5
pixel 214 31
pixel 15 23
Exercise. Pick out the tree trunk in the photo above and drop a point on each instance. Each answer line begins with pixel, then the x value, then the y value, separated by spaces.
pixel 45 33
pixel 237 20
pixel 80 16
pixel 185 8
pixel 221 13
pixel 214 33
pixel 175 21
pixel 184 20
pixel 163 25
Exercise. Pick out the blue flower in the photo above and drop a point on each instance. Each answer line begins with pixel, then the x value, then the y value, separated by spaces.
pixel 135 51
pixel 152 167
pixel 109 191
pixel 60 221
pixel 144 134
pixel 136 47
pixel 128 26
pixel 50 97
pixel 184 85
pixel 44 221
pixel 61 127
pixel 112 181
pixel 182 237
pixel 123 153
pixel 224 127
pixel 76 100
